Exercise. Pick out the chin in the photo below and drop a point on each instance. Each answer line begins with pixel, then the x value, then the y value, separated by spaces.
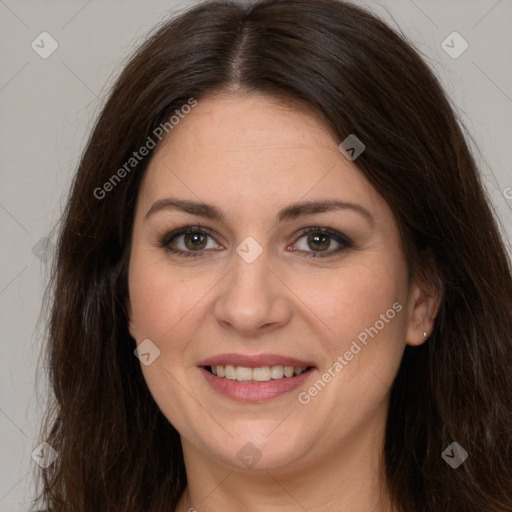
pixel 259 446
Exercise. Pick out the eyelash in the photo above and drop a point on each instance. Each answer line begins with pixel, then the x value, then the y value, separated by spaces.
pixel 167 238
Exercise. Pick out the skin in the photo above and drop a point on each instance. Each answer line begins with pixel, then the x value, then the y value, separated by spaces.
pixel 250 156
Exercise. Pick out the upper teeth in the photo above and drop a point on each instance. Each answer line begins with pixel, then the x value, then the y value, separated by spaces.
pixel 263 373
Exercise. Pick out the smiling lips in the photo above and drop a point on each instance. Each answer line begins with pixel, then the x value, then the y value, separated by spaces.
pixel 254 378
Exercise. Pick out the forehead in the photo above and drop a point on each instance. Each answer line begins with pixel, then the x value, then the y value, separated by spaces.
pixel 252 149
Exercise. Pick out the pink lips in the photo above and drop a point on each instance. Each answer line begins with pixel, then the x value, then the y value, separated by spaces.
pixel 254 361
pixel 254 391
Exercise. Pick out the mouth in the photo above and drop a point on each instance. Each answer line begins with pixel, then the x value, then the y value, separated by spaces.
pixel 258 374
pixel 255 378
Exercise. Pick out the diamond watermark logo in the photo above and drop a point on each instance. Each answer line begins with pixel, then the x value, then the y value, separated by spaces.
pixel 249 455
pixel 454 455
pixel 147 352
pixel 44 45
pixel 351 147
pixel 44 455
pixel 454 45
pixel 249 250
pixel 43 249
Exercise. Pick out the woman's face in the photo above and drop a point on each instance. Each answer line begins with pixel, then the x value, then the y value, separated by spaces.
pixel 266 286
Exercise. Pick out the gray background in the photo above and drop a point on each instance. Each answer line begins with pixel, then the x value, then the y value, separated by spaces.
pixel 47 109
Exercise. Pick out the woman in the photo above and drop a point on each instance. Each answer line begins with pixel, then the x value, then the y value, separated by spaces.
pixel 279 282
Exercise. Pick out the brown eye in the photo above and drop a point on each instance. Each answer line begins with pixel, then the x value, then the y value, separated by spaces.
pixel 319 240
pixel 189 241
pixel 194 241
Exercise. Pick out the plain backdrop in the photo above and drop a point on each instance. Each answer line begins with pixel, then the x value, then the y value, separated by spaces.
pixel 47 108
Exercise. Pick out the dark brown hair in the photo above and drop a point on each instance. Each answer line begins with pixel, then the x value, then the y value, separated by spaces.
pixel 117 451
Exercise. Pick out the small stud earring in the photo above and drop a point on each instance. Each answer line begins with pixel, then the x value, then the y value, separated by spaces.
pixel 425 336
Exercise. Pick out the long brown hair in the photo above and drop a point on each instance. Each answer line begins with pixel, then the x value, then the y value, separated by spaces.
pixel 116 449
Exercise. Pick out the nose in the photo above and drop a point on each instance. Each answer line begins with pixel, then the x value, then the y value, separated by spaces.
pixel 252 300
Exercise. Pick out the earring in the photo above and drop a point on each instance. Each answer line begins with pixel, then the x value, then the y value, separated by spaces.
pixel 425 336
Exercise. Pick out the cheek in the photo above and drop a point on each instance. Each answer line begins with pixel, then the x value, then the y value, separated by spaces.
pixel 166 308
pixel 354 297
pixel 360 317
pixel 163 299
pixel 359 312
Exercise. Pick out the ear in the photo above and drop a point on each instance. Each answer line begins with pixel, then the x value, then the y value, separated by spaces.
pixel 129 316
pixel 423 306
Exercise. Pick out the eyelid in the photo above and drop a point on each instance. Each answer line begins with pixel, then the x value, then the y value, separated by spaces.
pixel 340 238
pixel 333 233
pixel 168 236
pixel 166 239
pixel 343 241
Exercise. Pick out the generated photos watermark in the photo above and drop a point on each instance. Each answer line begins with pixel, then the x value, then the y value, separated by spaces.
pixel 454 455
pixel 352 147
pixel 146 352
pixel 342 360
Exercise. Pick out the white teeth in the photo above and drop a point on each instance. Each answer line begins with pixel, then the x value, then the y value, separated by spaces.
pixel 260 374
pixel 277 372
pixel 229 372
pixel 288 371
pixel 242 373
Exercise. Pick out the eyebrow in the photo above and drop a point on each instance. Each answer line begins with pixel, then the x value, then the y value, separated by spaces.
pixel 294 211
